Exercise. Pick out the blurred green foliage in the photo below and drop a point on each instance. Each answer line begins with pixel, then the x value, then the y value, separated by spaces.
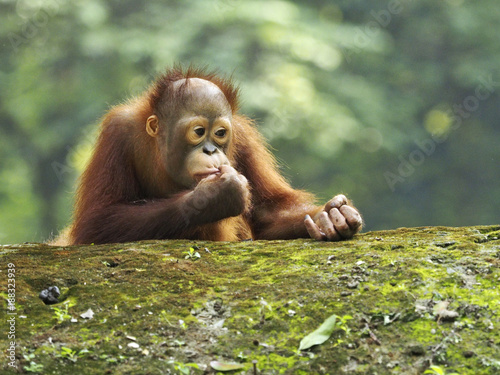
pixel 345 92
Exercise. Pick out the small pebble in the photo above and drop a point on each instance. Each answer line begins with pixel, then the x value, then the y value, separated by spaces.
pixel 50 295
pixel 352 285
pixel 468 354
pixel 417 350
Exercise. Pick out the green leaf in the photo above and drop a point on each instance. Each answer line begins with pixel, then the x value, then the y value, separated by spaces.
pixel 223 366
pixel 435 370
pixel 320 335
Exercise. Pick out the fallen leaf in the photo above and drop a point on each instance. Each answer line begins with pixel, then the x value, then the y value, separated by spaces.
pixel 224 366
pixel 320 335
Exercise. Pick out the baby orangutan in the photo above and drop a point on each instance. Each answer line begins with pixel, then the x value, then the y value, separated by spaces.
pixel 181 162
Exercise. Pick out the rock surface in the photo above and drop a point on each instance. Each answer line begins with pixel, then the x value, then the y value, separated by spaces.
pixel 405 299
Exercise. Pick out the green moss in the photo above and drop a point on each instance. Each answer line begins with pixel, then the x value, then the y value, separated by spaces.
pixel 256 300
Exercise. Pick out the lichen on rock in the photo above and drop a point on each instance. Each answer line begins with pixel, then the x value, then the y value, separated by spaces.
pixel 417 297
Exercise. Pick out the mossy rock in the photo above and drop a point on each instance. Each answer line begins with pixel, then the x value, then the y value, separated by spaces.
pixel 417 297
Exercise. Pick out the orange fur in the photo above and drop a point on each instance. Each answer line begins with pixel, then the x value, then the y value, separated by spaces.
pixel 126 194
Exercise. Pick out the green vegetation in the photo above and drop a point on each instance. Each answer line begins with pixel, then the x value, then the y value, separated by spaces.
pixel 192 254
pixel 323 333
pixel 33 367
pixel 394 103
pixel 403 302
pixel 437 370
pixel 185 368
pixel 71 355
pixel 61 313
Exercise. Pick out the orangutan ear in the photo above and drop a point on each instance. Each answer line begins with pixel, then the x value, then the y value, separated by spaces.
pixel 152 125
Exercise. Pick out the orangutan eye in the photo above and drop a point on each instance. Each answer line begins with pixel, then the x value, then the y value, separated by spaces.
pixel 196 134
pixel 200 131
pixel 221 133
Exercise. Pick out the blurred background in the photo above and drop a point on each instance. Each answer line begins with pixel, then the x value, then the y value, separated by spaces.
pixel 394 103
